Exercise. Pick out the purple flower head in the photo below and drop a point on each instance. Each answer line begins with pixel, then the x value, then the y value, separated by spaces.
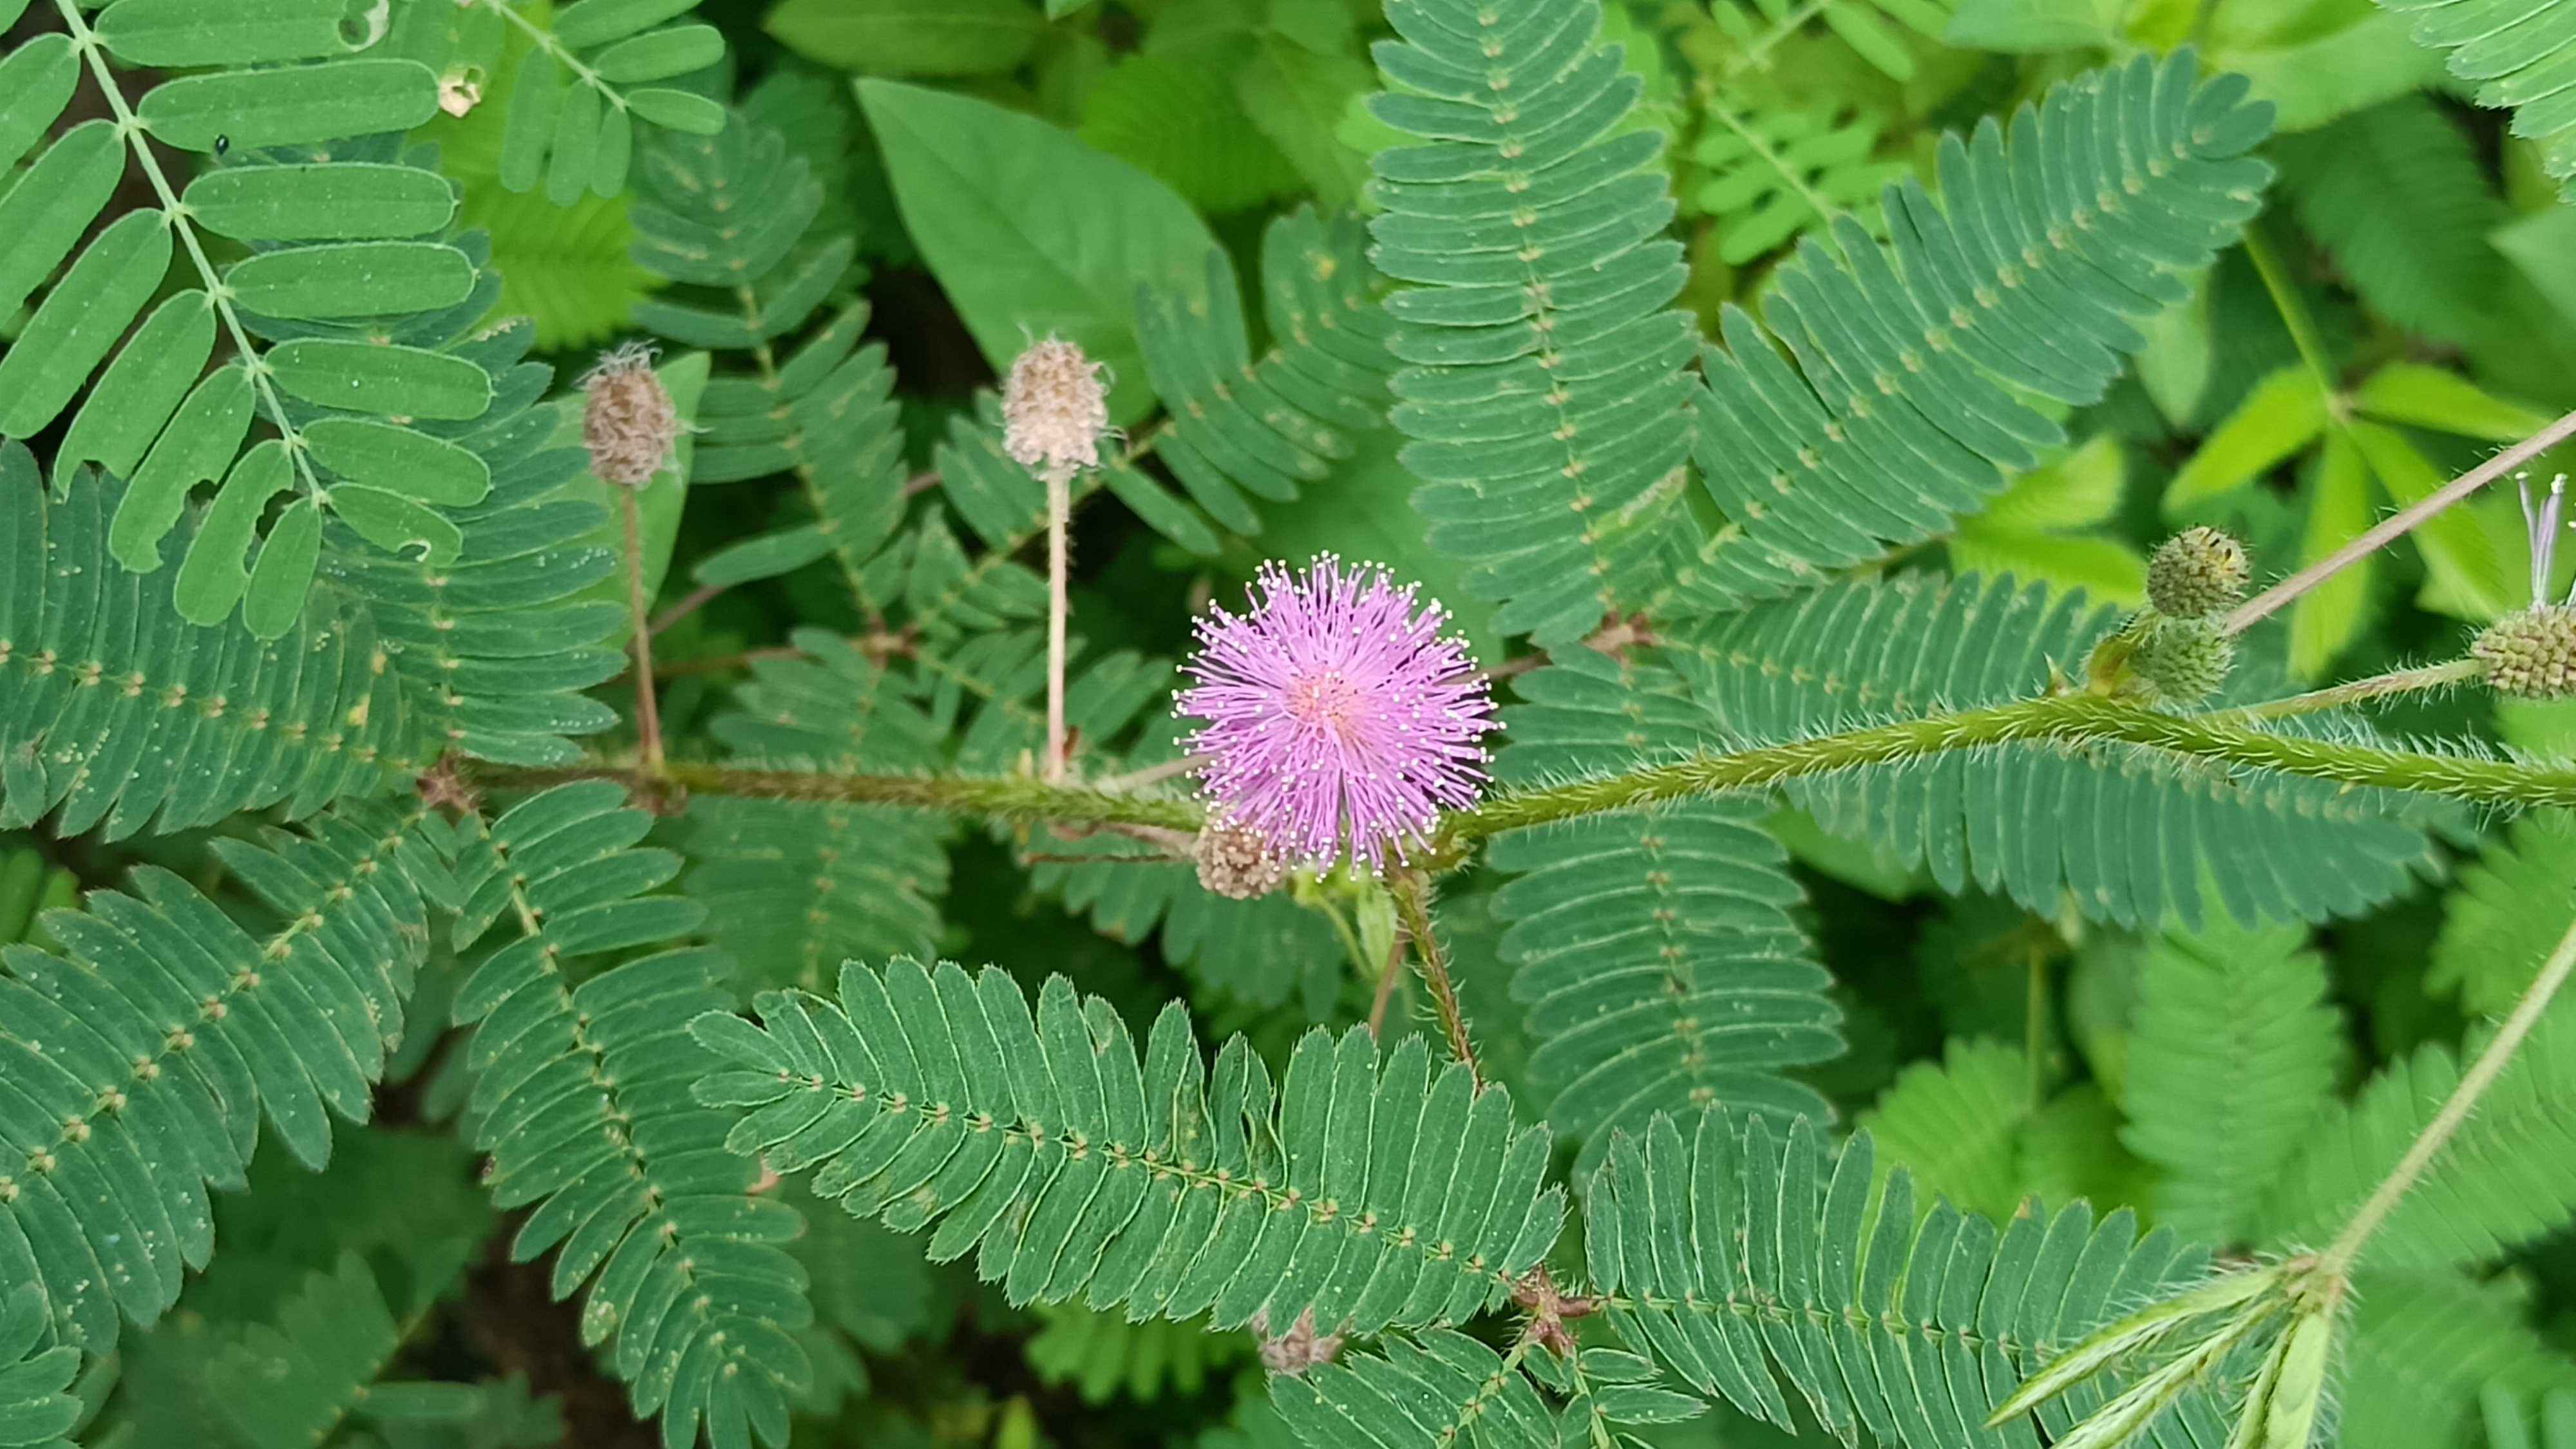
pixel 1339 721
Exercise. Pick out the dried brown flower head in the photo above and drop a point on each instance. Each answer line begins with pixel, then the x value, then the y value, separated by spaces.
pixel 628 425
pixel 1297 1350
pixel 1235 861
pixel 1054 409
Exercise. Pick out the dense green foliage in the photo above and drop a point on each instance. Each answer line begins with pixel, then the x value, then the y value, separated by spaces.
pixel 535 906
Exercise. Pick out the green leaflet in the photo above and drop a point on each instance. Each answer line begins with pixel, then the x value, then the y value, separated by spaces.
pixel 2139 838
pixel 577 1095
pixel 2032 272
pixel 2425 266
pixel 1545 394
pixel 2508 909
pixel 1183 123
pixel 1653 948
pixel 571 117
pixel 909 37
pixel 1370 1190
pixel 794 888
pixel 2232 1026
pixel 2421 1346
pixel 35 1409
pixel 2508 1176
pixel 342 249
pixel 290 1384
pixel 1731 1255
pixel 2520 57
pixel 1442 1387
pixel 140 1060
pixel 205 720
pixel 1957 1125
pixel 1103 1354
pixel 1271 425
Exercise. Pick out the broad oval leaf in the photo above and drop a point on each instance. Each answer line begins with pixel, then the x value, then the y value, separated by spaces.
pixel 1032 232
pixel 399 461
pixel 284 573
pixel 295 106
pixel 678 111
pixel 343 201
pixel 353 279
pixel 392 381
pixel 195 448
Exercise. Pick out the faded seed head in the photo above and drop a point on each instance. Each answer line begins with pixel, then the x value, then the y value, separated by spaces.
pixel 1236 862
pixel 1054 409
pixel 628 425
pixel 2197 572
pixel 2531 654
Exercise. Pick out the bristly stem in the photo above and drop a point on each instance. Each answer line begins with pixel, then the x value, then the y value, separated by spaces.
pixel 648 713
pixel 2338 1256
pixel 2377 686
pixel 2397 525
pixel 1412 891
pixel 1059 514
pixel 2068 718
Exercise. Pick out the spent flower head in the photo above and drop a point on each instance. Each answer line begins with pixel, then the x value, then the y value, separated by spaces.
pixel 628 422
pixel 1340 722
pixel 1054 409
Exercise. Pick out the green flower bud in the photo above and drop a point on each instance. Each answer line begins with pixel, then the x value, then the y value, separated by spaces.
pixel 2182 661
pixel 2531 654
pixel 2197 572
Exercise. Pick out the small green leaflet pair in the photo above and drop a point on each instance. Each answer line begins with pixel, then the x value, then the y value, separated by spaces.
pixel 345 322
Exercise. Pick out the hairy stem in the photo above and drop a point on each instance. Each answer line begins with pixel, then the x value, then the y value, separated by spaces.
pixel 2071 718
pixel 1059 515
pixel 1412 892
pixel 1012 800
pixel 648 711
pixel 2397 525
pixel 2338 1256
pixel 2378 686
pixel 2062 717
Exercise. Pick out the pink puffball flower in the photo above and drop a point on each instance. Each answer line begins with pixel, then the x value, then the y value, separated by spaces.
pixel 1340 722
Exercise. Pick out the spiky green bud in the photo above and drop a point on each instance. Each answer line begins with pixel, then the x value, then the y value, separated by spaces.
pixel 2197 572
pixel 2182 661
pixel 2531 654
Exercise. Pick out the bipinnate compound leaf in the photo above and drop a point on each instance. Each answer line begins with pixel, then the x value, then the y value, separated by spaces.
pixel 1372 1189
pixel 138 1060
pixel 580 1096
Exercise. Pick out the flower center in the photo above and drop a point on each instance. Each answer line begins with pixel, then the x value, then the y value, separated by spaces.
pixel 1325 700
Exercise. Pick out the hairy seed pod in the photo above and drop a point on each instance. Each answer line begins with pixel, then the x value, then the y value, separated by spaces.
pixel 2183 660
pixel 1234 860
pixel 2531 654
pixel 1054 409
pixel 2197 572
pixel 628 425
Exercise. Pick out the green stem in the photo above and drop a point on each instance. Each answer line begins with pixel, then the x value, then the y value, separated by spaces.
pixel 2292 306
pixel 2378 686
pixel 2068 718
pixel 2338 1258
pixel 1412 891
pixel 544 39
pixel 1011 799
